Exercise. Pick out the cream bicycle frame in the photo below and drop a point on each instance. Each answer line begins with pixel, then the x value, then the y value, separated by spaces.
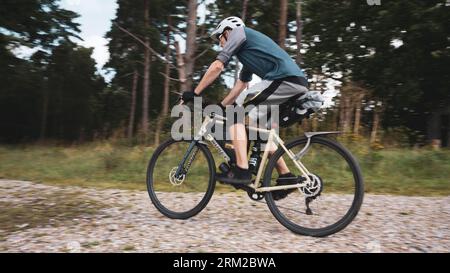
pixel 273 139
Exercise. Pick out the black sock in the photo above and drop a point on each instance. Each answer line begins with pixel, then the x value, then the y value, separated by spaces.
pixel 240 170
pixel 289 174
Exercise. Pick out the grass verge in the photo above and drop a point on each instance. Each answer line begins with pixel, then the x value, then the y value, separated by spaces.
pixel 103 165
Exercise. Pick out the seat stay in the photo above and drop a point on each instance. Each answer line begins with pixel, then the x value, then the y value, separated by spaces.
pixel 313 134
pixel 309 136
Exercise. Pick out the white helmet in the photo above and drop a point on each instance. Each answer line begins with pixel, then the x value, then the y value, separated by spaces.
pixel 230 22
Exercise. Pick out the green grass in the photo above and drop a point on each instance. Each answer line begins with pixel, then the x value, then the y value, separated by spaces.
pixel 390 171
pixel 92 165
pixel 404 171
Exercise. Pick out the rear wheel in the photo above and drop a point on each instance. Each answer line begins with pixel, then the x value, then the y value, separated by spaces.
pixel 332 198
pixel 186 195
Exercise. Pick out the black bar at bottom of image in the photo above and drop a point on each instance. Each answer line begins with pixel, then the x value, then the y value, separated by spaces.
pixel 217 262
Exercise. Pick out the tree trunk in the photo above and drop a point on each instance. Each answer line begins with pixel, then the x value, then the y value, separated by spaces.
pixel 314 124
pixel 165 108
pixel 181 66
pixel 44 114
pixel 298 33
pixel 345 113
pixel 191 47
pixel 335 114
pixel 282 24
pixel 133 104
pixel 146 83
pixel 60 115
pixel 349 115
pixel 358 104
pixel 82 136
pixel 341 112
pixel 243 17
pixel 244 10
pixel 434 130
pixel 375 125
pixel 305 125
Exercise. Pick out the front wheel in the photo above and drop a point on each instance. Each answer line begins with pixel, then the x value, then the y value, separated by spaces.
pixel 332 197
pixel 185 195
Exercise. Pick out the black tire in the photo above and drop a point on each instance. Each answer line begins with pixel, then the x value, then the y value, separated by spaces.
pixel 204 200
pixel 358 192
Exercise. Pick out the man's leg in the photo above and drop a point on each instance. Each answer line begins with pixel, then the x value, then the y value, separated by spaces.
pixel 239 140
pixel 240 174
pixel 281 166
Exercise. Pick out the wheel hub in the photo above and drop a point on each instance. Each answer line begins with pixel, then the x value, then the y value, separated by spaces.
pixel 174 179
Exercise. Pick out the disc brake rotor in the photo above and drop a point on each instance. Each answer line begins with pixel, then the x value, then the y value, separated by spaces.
pixel 312 188
pixel 176 180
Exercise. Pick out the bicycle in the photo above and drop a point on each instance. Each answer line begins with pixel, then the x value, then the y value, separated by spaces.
pixel 181 190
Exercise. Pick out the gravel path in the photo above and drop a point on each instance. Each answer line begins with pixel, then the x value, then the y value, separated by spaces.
pixel 126 221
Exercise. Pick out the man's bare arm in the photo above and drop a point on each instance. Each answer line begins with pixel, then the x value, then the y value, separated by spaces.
pixel 210 76
pixel 234 93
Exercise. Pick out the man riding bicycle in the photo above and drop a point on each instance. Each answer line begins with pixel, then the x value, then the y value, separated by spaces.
pixel 282 80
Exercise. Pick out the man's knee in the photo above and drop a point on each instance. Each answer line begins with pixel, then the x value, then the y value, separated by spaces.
pixel 235 115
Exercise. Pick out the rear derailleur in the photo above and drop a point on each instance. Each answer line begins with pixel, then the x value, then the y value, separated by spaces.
pixel 312 190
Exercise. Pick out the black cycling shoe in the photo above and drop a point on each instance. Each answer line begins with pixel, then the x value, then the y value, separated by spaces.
pixel 235 176
pixel 285 180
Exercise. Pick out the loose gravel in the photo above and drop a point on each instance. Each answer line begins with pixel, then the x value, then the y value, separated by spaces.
pixel 127 221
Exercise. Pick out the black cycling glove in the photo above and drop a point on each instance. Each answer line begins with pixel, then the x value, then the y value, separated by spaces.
pixel 188 96
pixel 224 107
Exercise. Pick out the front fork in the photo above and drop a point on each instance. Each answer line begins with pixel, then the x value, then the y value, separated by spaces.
pixel 181 170
pixel 203 129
